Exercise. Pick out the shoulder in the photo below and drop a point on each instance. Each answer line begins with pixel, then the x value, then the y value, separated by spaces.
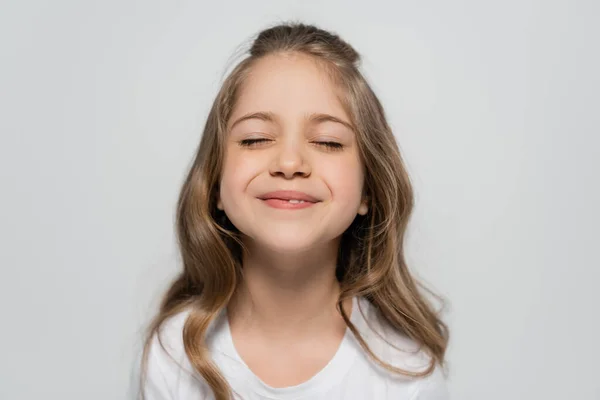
pixel 389 344
pixel 167 341
pixel 432 387
pixel 169 373
pixel 398 350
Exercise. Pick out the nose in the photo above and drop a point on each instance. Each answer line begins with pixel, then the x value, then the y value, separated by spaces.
pixel 290 161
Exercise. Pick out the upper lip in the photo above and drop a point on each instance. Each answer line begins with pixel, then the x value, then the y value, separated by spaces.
pixel 288 195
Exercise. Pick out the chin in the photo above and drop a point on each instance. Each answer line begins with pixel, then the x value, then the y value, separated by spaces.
pixel 292 246
pixel 287 243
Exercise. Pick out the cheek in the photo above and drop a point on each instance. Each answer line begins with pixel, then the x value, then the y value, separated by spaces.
pixel 345 181
pixel 237 172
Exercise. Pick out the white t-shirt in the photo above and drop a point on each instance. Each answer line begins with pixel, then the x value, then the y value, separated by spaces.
pixel 349 375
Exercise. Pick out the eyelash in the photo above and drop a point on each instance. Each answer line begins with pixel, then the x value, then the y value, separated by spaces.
pixel 329 145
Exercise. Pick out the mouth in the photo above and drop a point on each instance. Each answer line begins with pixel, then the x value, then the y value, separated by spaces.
pixel 291 204
pixel 289 195
pixel 288 199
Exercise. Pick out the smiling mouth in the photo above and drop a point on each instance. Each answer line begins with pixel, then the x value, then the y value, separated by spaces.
pixel 288 204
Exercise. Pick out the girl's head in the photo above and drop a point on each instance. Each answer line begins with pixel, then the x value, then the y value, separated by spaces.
pixel 289 130
pixel 297 114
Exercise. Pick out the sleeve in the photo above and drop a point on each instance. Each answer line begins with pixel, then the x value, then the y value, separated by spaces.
pixel 433 387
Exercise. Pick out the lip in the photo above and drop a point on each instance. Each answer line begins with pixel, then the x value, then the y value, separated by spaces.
pixel 286 205
pixel 288 195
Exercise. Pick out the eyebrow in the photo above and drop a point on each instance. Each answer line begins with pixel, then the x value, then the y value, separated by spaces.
pixel 263 116
pixel 315 118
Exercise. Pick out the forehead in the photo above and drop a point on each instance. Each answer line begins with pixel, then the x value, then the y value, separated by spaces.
pixel 290 86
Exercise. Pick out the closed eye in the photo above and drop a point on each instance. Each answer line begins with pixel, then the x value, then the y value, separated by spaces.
pixel 332 145
pixel 253 142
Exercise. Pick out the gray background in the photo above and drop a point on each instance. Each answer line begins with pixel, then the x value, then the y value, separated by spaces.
pixel 494 104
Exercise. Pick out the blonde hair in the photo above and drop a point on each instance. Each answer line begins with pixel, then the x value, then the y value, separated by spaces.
pixel 371 256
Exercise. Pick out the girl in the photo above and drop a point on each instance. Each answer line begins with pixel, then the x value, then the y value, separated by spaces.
pixel 291 224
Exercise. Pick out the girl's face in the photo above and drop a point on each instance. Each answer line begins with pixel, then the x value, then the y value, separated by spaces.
pixel 278 135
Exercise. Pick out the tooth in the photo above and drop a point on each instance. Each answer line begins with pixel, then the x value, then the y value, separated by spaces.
pixel 296 201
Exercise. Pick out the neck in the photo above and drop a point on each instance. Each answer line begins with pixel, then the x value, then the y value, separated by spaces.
pixel 282 294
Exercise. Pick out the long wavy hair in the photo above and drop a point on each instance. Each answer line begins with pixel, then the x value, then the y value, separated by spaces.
pixel 371 259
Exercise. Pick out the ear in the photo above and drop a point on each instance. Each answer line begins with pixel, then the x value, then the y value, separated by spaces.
pixel 364 206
